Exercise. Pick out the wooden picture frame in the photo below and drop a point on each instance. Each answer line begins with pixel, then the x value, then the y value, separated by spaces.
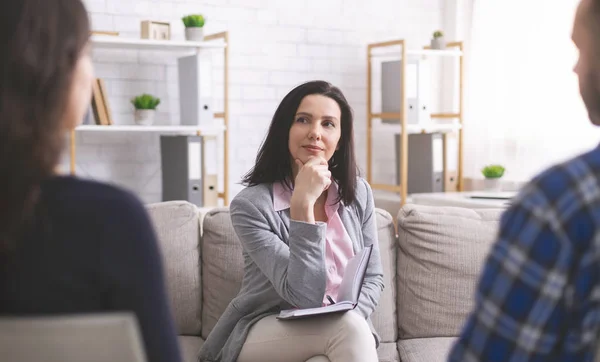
pixel 156 30
pixel 104 93
pixel 100 106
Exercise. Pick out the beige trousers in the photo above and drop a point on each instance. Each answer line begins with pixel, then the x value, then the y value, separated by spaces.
pixel 342 337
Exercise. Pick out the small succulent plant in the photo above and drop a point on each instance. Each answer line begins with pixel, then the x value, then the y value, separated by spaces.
pixel 193 21
pixel 145 101
pixel 493 171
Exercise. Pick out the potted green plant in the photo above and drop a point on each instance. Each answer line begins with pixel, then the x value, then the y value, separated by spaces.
pixel 194 27
pixel 145 108
pixel 438 42
pixel 492 174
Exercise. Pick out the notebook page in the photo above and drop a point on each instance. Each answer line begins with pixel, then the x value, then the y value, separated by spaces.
pixel 353 276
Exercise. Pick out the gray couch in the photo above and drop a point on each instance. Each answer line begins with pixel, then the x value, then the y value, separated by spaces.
pixel 431 266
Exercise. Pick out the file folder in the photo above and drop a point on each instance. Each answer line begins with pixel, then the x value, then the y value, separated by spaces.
pixel 181 162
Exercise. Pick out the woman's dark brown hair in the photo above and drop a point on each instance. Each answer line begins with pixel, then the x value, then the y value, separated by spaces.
pixel 40 44
pixel 273 162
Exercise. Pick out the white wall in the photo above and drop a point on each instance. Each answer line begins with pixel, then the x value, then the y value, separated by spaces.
pixel 523 105
pixel 274 45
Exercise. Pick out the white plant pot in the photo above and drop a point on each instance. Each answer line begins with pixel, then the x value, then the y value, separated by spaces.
pixel 144 117
pixel 492 184
pixel 194 34
pixel 438 43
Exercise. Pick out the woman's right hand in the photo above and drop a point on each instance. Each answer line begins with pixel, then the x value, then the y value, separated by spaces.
pixel 312 180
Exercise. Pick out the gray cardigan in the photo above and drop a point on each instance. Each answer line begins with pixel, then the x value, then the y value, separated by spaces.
pixel 284 265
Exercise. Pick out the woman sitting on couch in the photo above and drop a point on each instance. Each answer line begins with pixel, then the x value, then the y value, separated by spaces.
pixel 303 216
pixel 67 246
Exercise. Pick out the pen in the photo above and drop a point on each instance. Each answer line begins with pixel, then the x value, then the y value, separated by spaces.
pixel 330 299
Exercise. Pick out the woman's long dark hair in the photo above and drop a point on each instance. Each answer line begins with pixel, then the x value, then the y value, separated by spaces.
pixel 40 42
pixel 273 162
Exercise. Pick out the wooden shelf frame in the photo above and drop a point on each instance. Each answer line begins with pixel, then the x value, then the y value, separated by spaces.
pixel 144 44
pixel 225 114
pixel 404 53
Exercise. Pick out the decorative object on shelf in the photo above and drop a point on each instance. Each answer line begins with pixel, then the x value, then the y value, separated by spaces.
pixel 194 27
pixel 438 41
pixel 155 30
pixel 100 106
pixel 102 32
pixel 145 108
pixel 492 174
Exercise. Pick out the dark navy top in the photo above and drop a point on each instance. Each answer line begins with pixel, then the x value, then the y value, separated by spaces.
pixel 91 248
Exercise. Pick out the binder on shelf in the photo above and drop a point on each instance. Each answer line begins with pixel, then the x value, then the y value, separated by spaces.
pixel 210 171
pixel 195 90
pixel 425 162
pixel 451 181
pixel 211 191
pixel 412 112
pixel 418 90
pixel 451 157
pixel 424 92
pixel 181 162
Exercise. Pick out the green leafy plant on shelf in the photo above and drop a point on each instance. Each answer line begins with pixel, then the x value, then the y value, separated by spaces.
pixel 193 21
pixel 438 41
pixel 493 171
pixel 145 101
pixel 194 27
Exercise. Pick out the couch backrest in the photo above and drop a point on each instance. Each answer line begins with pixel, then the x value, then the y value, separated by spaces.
pixel 178 232
pixel 223 265
pixel 440 255
pixel 430 268
pixel 384 317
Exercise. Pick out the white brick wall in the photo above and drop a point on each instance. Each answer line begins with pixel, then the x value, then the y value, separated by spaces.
pixel 274 45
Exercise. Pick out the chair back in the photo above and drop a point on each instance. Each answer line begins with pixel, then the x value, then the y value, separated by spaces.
pixel 111 337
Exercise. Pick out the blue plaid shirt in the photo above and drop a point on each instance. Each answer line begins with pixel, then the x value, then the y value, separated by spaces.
pixel 538 298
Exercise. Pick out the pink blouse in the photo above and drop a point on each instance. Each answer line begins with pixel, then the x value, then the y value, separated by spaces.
pixel 338 246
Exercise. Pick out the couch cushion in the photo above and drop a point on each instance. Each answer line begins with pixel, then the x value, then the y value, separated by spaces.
pixel 425 349
pixel 222 266
pixel 176 225
pixel 440 255
pixel 387 352
pixel 190 346
pixel 202 211
pixel 383 317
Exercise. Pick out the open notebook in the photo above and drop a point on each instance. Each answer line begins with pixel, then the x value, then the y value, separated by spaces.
pixel 348 292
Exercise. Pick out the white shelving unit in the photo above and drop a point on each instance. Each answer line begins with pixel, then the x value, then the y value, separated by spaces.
pixel 191 130
pixel 418 128
pixel 112 42
pixel 384 52
pixel 453 123
pixel 177 48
